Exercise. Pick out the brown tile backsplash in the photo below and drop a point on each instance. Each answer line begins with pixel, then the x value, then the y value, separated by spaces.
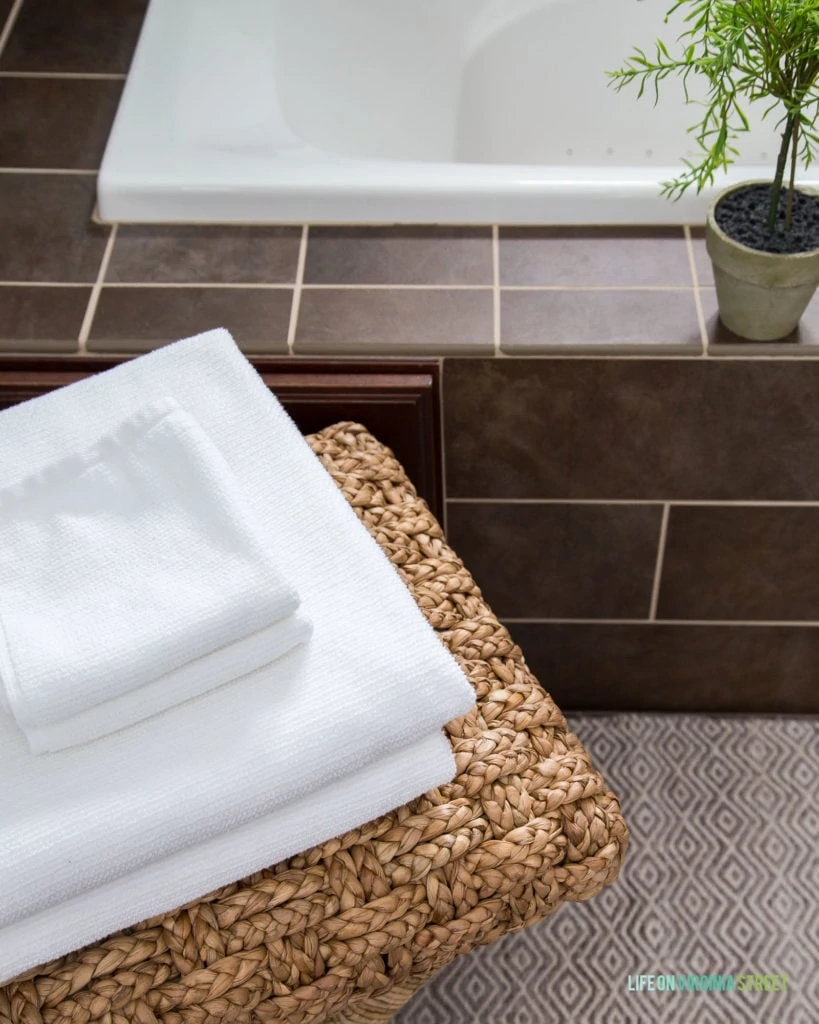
pixel 745 564
pixel 594 256
pixel 45 228
pixel 137 319
pixel 74 35
pixel 41 319
pixel 537 321
pixel 399 255
pixel 675 668
pixel 359 321
pixel 212 254
pixel 628 428
pixel 49 122
pixel 559 561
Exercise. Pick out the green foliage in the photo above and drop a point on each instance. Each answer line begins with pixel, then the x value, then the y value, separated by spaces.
pixel 748 51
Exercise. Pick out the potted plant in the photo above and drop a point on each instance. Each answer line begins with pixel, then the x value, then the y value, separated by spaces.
pixel 762 236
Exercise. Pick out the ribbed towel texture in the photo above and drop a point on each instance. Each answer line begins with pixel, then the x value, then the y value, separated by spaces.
pixel 188 874
pixel 81 829
pixel 132 578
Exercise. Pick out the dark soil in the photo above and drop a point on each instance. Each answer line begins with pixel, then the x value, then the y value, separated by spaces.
pixel 742 215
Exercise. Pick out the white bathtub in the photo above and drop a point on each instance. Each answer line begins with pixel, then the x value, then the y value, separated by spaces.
pixel 415 111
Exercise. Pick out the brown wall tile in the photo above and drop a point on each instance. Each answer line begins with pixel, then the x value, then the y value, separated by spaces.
pixel 41 319
pixel 74 35
pixel 51 122
pixel 675 668
pixel 360 321
pixel 399 255
pixel 742 564
pixel 650 429
pixel 537 321
pixel 46 228
pixel 137 319
pixel 207 254
pixel 559 561
pixel 594 256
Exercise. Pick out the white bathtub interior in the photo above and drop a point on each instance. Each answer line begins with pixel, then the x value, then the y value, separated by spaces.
pixel 413 111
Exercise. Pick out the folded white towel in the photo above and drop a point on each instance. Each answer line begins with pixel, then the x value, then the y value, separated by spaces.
pixel 165 884
pixel 122 568
pixel 373 678
pixel 228 663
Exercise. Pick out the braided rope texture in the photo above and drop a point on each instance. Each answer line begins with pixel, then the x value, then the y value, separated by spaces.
pixel 345 932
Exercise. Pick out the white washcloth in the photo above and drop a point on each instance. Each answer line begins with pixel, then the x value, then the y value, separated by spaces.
pixel 122 565
pixel 373 678
pixel 163 885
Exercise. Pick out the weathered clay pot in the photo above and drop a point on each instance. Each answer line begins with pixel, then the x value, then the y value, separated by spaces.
pixel 761 295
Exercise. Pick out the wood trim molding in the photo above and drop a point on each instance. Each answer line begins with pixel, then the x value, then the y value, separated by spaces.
pixel 399 402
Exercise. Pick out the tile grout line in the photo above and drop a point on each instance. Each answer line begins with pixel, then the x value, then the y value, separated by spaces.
pixel 692 266
pixel 444 510
pixel 674 503
pixel 744 623
pixel 48 170
pixel 76 75
pixel 9 25
pixel 298 285
pixel 658 568
pixel 496 294
pixel 91 308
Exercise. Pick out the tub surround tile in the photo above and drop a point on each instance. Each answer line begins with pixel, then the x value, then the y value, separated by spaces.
pixel 651 667
pixel 61 123
pixel 723 342
pixel 138 319
pixel 702 261
pixel 650 430
pixel 5 10
pixel 41 319
pixel 359 321
pixel 46 228
pixel 399 255
pixel 744 564
pixel 560 561
pixel 594 256
pixel 74 35
pixel 592 321
pixel 207 254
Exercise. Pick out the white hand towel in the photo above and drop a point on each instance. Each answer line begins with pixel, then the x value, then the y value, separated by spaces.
pixel 165 884
pixel 373 678
pixel 228 663
pixel 122 564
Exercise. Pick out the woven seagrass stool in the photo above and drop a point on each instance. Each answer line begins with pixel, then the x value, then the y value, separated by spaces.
pixel 348 930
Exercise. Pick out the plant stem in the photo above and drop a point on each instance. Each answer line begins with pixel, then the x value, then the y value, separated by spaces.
pixel 781 160
pixel 791 184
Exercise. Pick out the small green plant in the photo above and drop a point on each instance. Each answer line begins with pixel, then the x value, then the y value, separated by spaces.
pixel 747 50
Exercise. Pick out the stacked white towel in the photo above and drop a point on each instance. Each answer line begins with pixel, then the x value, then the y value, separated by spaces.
pixel 338 730
pixel 133 578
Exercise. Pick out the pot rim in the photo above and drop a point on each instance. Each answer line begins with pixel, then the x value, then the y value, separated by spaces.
pixel 711 222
